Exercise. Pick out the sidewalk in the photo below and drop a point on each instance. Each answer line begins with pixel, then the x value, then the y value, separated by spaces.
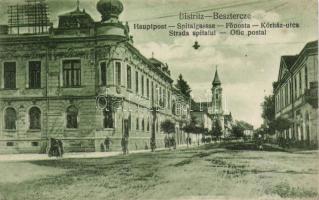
pixel 34 157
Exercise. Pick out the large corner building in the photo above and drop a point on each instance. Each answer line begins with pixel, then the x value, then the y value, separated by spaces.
pixel 80 82
pixel 296 95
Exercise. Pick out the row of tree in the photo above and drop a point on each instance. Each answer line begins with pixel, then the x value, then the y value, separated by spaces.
pixel 168 127
pixel 237 130
pixel 272 124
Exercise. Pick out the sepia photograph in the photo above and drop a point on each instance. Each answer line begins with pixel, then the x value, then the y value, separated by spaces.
pixel 159 100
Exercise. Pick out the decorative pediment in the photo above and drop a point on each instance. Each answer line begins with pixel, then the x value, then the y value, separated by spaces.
pixel 282 69
pixel 71 52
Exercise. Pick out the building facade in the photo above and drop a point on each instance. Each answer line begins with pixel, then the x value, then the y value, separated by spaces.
pixel 296 95
pixel 81 82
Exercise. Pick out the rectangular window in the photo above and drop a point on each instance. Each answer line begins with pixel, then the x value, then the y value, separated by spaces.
pixel 156 95
pixel 152 92
pixel 129 77
pixel 71 73
pixel 103 73
pixel 296 90
pixel 142 82
pixel 281 99
pixel 9 75
pixel 118 73
pixel 300 84
pixel 178 109
pixel 35 74
pixel 147 88
pixel 160 96
pixel 276 102
pixel 306 77
pixel 168 99
pixel 164 97
pixel 286 94
pixel 136 81
pixel 289 92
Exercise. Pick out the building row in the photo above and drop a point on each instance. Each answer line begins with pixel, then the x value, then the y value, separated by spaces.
pixel 296 95
pixel 81 82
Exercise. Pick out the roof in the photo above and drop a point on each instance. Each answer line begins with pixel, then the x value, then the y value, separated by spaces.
pixel 288 63
pixel 75 19
pixel 159 64
pixel 312 44
pixel 155 61
pixel 76 13
pixel 289 60
pixel 216 79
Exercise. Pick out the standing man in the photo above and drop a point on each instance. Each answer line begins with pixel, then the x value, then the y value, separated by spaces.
pixel 107 144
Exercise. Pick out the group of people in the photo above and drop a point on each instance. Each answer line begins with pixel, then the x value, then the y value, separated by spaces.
pixel 169 142
pixel 55 148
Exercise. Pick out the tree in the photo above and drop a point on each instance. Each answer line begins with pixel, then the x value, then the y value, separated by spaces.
pixel 239 127
pixel 183 86
pixel 168 127
pixel 280 124
pixel 271 124
pixel 237 130
pixel 217 129
pixel 199 130
pixel 268 113
pixel 268 108
pixel 190 128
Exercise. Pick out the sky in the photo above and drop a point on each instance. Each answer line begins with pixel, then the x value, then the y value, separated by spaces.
pixel 247 66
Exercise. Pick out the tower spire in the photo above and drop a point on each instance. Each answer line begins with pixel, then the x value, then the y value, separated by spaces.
pixel 78 5
pixel 216 78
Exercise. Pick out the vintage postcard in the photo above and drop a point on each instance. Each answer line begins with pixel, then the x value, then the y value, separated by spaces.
pixel 159 100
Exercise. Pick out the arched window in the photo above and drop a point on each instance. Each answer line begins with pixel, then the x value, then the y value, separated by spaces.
pixel 148 125
pixel 10 118
pixel 137 124
pixel 35 118
pixel 143 125
pixel 72 117
pixel 307 120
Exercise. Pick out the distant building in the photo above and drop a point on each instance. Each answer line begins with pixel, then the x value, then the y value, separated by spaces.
pixel 81 82
pixel 202 117
pixel 296 94
pixel 209 112
pixel 248 129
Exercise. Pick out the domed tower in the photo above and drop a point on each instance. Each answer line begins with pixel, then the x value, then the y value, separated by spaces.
pixel 110 24
pixel 217 107
pixel 110 10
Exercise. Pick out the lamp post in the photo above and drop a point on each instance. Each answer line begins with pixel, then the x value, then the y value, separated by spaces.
pixel 153 135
